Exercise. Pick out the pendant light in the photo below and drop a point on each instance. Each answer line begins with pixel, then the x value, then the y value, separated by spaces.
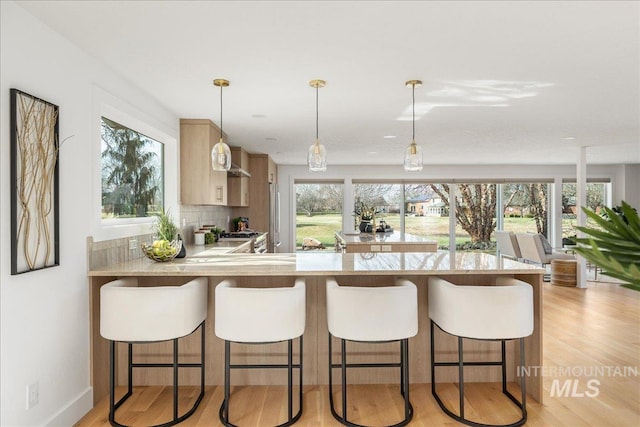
pixel 220 153
pixel 317 158
pixel 413 154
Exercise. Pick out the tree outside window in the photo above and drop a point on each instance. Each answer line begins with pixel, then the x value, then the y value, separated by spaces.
pixel 132 173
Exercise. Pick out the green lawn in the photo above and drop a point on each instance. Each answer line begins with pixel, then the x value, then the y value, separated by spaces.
pixel 324 226
pixel 321 227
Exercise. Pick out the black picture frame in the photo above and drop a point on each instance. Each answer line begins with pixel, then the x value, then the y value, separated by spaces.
pixel 35 230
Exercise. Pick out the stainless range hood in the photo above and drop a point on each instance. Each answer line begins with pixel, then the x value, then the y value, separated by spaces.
pixel 237 171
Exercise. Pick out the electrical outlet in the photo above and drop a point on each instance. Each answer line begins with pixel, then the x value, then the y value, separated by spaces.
pixel 133 244
pixel 33 394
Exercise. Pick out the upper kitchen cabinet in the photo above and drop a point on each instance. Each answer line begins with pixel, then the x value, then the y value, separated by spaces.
pixel 199 183
pixel 239 178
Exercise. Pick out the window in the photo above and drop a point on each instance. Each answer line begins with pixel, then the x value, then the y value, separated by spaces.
pixel 597 197
pixel 112 216
pixel 318 214
pixel 131 172
pixel 526 207
pixel 427 212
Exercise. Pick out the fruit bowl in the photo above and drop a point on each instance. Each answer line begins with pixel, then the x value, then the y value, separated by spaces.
pixel 162 250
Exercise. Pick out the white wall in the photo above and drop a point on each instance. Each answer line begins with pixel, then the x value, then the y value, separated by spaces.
pixel 620 176
pixel 44 328
pixel 632 185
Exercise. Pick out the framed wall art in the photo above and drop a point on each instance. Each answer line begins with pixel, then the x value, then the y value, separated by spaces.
pixel 35 234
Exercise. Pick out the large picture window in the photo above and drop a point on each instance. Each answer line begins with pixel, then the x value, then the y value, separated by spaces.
pixel 526 207
pixel 318 214
pixel 132 172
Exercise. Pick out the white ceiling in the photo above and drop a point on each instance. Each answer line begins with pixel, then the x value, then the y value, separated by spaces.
pixel 504 82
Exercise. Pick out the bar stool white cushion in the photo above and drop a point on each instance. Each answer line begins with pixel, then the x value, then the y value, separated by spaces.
pixel 132 313
pixel 504 311
pixel 372 313
pixel 259 314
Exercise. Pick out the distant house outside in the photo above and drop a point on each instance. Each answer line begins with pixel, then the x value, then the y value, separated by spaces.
pixel 427 206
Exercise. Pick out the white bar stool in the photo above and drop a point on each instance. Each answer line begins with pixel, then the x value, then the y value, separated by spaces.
pixel 138 315
pixel 374 315
pixel 261 316
pixel 498 313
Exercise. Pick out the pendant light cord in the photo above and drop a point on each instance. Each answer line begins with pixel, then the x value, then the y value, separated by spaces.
pixel 316 113
pixel 413 86
pixel 221 111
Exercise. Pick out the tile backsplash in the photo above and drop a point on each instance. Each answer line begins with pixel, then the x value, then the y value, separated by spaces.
pixel 191 218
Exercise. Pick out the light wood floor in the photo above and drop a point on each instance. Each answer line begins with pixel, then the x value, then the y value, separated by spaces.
pixel 584 330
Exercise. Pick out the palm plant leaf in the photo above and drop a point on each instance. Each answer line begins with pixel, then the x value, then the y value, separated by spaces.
pixel 616 246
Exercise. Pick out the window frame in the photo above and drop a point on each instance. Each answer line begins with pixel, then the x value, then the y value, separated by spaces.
pixel 122 112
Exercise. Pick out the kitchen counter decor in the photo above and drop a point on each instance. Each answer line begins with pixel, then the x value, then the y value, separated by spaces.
pixel 168 243
pixel 162 250
pixel 367 216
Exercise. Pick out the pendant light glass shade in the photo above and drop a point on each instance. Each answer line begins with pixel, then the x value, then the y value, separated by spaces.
pixel 220 153
pixel 413 158
pixel 221 156
pixel 413 153
pixel 317 157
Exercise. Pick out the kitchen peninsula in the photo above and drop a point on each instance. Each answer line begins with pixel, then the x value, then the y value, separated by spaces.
pixel 383 242
pixel 315 267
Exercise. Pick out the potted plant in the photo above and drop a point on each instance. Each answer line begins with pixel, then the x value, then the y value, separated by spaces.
pixel 615 244
pixel 164 227
pixel 367 215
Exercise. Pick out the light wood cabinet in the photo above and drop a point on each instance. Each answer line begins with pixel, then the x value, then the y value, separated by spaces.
pixel 238 191
pixel 199 183
pixel 264 172
pixel 238 183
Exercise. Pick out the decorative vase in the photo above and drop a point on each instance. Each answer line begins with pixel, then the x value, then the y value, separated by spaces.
pixel 183 249
pixel 365 226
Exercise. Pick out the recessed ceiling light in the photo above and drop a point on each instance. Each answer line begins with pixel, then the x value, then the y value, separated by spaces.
pixel 372 152
pixel 569 138
pixel 258 116
pixel 271 139
pixel 389 137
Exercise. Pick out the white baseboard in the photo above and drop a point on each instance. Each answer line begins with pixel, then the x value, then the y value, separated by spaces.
pixel 76 409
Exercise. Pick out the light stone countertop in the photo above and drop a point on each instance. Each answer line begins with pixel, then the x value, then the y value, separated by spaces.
pixel 389 237
pixel 208 263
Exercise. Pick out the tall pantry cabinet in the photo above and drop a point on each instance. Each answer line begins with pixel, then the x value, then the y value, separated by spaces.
pixel 199 183
pixel 264 176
